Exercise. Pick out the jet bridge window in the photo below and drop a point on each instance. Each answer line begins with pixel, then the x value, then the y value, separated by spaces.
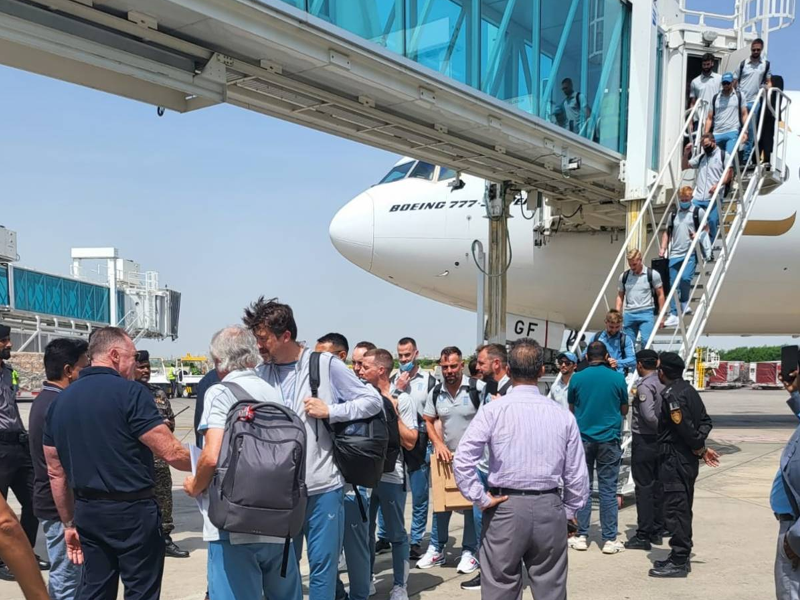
pixel 423 170
pixel 398 172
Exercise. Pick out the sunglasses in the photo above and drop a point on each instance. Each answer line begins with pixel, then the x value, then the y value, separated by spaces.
pixel 565 363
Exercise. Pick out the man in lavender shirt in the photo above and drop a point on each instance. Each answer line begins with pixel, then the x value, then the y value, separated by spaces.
pixel 534 446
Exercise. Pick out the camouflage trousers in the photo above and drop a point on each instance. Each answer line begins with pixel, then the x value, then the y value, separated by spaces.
pixel 164 495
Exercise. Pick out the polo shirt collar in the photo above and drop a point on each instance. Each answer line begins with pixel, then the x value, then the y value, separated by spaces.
pixel 89 371
pixel 52 387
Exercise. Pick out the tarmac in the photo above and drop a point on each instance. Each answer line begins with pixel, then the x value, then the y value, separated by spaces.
pixel 735 531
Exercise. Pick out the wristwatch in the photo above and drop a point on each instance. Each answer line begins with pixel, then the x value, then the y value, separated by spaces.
pixel 69 524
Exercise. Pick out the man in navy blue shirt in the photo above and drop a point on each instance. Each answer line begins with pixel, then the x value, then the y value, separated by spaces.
pixel 99 440
pixel 64 358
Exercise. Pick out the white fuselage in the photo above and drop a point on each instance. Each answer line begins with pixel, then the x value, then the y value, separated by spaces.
pixel 417 234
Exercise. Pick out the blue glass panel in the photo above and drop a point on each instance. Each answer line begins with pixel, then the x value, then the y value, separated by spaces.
pixel 301 4
pixel 379 21
pixel 60 296
pixel 440 35
pixel 4 299
pixel 507 51
pixel 655 158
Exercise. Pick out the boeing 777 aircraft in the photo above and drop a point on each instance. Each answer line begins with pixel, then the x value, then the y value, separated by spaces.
pixel 415 229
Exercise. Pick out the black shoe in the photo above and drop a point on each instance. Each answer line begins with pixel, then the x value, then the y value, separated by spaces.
pixel 472 584
pixel 6 574
pixel 670 569
pixel 638 543
pixel 415 552
pixel 656 539
pixel 382 546
pixel 44 565
pixel 171 549
pixel 660 564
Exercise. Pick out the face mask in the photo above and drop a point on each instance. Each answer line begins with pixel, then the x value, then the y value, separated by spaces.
pixel 708 149
pixel 686 205
pixel 407 367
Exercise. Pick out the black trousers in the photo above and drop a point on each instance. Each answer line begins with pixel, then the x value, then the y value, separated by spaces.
pixel 16 473
pixel 120 540
pixel 678 474
pixel 649 495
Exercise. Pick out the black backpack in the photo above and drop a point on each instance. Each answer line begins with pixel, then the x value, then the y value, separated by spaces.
pixel 649 280
pixel 393 447
pixel 415 458
pixel 259 483
pixel 361 457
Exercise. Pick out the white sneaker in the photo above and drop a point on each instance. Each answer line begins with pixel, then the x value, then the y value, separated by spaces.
pixel 613 547
pixel 578 542
pixel 372 589
pixel 672 321
pixel 468 563
pixel 399 592
pixel 687 310
pixel 431 558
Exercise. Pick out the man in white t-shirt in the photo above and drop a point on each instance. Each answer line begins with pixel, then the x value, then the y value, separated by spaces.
pixel 390 495
pixel 239 565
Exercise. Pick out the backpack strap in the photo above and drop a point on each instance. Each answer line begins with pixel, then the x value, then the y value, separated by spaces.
pixel 237 391
pixel 741 71
pixel 741 105
pixel 696 218
pixel 287 543
pixel 431 383
pixel 313 374
pixel 623 341
pixel 625 277
pixel 764 76
pixel 473 393
pixel 504 390
pixel 360 502
pixel 596 336
pixel 650 278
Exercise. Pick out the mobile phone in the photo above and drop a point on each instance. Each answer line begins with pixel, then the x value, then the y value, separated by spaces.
pixel 790 360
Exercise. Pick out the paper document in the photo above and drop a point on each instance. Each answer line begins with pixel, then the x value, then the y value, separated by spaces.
pixel 202 499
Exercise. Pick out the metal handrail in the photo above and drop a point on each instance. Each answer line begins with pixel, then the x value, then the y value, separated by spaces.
pixel 655 188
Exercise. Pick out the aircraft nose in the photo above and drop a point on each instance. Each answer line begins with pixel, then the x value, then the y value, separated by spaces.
pixel 352 230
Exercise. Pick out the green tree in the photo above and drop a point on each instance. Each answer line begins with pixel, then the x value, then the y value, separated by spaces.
pixel 752 354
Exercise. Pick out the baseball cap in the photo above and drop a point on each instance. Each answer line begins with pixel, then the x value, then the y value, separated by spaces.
pixel 727 77
pixel 570 356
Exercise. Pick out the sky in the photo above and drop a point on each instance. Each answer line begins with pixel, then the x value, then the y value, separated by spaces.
pixel 225 204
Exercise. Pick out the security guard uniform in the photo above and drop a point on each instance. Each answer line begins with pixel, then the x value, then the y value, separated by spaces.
pixel 683 428
pixel 16 467
pixel 163 476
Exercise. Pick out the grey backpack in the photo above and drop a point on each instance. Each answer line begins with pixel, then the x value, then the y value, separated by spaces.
pixel 259 484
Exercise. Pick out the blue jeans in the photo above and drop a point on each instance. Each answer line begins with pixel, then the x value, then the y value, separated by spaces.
pixel 391 498
pixel 635 322
pixel 751 134
pixel 477 513
pixel 685 287
pixel 606 456
pixel 726 141
pixel 250 570
pixel 324 531
pixel 419 482
pixel 713 216
pixel 356 548
pixel 65 576
pixel 440 532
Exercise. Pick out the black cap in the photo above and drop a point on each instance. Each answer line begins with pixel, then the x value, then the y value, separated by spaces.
pixel 647 356
pixel 672 362
pixel 142 356
pixel 5 331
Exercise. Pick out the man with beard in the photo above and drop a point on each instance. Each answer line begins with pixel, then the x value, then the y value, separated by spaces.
pixel 455 403
pixel 567 363
pixel 163 488
pixel 704 87
pixel 16 467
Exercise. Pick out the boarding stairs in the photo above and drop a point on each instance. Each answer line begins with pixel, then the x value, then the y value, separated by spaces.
pixel 734 210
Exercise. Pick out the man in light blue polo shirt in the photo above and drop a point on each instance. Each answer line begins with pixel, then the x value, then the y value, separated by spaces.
pixel 621 353
pixel 753 74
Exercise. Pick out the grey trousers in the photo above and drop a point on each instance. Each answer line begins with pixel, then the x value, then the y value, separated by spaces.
pixel 787 580
pixel 529 530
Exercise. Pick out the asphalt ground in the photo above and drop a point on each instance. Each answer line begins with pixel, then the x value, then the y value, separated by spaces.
pixel 734 528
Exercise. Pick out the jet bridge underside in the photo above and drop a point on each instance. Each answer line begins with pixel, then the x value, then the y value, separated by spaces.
pixel 265 56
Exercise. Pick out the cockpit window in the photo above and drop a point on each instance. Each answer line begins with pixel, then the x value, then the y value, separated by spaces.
pixel 398 172
pixel 423 170
pixel 446 173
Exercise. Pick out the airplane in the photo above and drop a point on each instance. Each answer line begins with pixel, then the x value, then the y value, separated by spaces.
pixel 415 229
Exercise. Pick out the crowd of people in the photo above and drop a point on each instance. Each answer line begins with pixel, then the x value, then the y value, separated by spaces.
pixel 101 443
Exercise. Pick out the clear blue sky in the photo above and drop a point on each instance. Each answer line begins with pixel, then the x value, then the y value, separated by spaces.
pixel 226 204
